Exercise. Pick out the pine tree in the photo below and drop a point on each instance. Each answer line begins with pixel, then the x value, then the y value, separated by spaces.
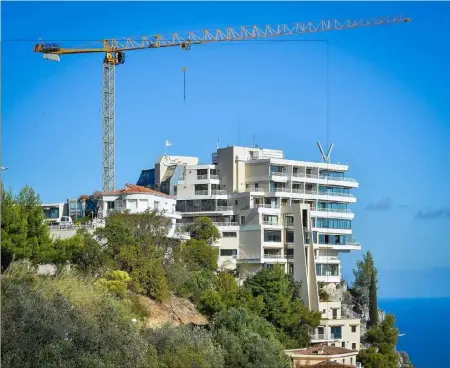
pixel 361 286
pixel 373 302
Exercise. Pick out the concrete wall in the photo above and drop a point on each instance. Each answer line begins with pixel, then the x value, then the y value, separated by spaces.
pixel 250 243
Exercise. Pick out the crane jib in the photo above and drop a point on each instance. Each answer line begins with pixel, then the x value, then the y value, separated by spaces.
pixel 115 49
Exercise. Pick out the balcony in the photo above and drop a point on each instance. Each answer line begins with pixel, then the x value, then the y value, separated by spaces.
pixel 271 223
pixel 202 177
pixel 201 192
pixel 339 210
pixel 285 190
pixel 225 224
pixel 218 192
pixel 333 178
pixel 327 259
pixel 275 257
pixel 271 206
pixel 298 174
pixel 322 338
pixel 225 208
pixel 335 194
pixel 212 176
pixel 253 189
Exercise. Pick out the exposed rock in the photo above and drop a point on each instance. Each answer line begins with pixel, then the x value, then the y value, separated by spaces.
pixel 176 311
pixel 403 360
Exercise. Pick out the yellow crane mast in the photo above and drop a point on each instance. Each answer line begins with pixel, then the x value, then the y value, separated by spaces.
pixel 114 54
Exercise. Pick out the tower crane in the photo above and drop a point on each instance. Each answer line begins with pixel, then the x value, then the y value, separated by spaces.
pixel 114 54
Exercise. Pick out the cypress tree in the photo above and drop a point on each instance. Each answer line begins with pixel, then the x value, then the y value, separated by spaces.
pixel 373 302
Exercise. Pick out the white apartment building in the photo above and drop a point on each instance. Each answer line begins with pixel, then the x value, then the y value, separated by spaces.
pixel 269 210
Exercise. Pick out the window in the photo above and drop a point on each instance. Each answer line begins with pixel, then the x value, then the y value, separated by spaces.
pixel 242 220
pixel 353 328
pixel 289 237
pixel 337 332
pixel 343 344
pixel 229 234
pixel 228 252
pixel 324 269
pixel 291 269
pixel 236 202
pixel 333 223
pixel 270 219
pixel 272 236
pixel 156 205
pixel 354 346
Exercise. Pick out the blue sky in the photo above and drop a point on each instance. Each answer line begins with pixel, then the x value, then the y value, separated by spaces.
pixel 388 109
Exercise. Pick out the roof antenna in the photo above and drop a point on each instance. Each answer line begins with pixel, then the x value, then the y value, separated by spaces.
pixel 217 144
pixel 254 142
pixel 326 158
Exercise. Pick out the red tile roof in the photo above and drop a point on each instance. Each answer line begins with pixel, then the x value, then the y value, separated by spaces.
pixel 135 189
pixel 323 350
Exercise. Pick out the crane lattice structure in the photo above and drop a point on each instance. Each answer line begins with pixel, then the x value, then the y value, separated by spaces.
pixel 114 54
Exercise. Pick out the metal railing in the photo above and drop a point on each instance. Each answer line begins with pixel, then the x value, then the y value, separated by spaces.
pixel 201 192
pixel 313 192
pixel 322 337
pixel 298 174
pixel 224 208
pixel 326 258
pixel 218 192
pixel 202 177
pixel 341 210
pixel 281 190
pixel 270 223
pixel 225 224
pixel 298 190
pixel 334 178
pixel 72 227
pixel 274 256
pixel 213 176
pixel 335 194
pixel 277 173
pixel 255 189
pixel 274 206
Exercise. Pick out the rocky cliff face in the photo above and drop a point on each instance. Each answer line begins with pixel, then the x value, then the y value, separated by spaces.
pixel 403 360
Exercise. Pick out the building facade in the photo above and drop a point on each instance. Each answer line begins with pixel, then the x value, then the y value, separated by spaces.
pixel 138 199
pixel 270 210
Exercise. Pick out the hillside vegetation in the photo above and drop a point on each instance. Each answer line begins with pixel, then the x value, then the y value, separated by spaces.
pixel 96 311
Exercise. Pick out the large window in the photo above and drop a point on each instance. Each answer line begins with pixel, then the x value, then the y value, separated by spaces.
pixel 332 239
pixel 270 219
pixel 337 332
pixel 325 269
pixel 272 236
pixel 332 174
pixel 228 252
pixel 229 234
pixel 289 237
pixel 51 212
pixel 332 206
pixel 333 223
pixel 280 170
pixel 333 190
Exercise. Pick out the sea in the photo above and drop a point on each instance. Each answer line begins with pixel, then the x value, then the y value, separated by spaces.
pixel 425 324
